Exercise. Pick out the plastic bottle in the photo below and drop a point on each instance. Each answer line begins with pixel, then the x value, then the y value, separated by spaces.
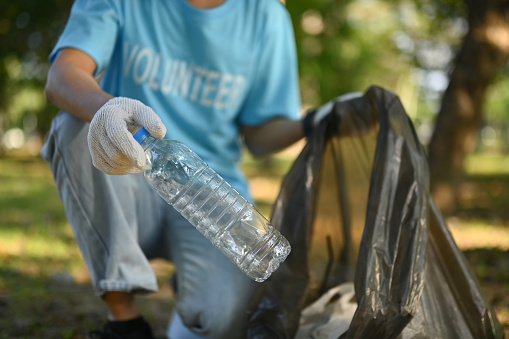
pixel 213 206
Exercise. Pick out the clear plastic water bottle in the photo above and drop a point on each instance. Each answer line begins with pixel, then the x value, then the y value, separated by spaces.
pixel 213 206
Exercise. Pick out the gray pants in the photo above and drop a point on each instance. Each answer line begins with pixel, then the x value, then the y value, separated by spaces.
pixel 119 224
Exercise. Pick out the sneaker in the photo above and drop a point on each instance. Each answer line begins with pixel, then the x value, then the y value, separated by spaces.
pixel 133 329
pixel 103 334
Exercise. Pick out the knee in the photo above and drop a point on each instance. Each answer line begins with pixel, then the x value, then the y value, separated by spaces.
pixel 217 322
pixel 67 137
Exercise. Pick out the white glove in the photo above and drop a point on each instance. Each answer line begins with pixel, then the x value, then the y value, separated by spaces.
pixel 110 136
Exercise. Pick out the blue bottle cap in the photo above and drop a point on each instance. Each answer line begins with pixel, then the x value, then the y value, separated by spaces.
pixel 141 135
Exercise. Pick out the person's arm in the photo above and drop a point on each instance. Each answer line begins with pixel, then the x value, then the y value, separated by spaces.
pixel 71 85
pixel 272 136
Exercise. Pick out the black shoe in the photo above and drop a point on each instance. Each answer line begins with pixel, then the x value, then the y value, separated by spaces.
pixel 132 329
pixel 103 334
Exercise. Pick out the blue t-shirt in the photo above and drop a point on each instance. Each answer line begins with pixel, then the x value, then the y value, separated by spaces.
pixel 205 72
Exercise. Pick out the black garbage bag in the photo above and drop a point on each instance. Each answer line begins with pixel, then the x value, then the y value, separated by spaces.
pixel 356 207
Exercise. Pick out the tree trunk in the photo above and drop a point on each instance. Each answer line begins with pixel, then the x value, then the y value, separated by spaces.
pixel 485 50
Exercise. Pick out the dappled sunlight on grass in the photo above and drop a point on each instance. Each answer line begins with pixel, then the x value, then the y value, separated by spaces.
pixel 38 255
pixel 487 164
pixel 472 234
pixel 39 258
pixel 37 240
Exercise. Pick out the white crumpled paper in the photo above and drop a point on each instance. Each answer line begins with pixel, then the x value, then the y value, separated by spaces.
pixel 329 316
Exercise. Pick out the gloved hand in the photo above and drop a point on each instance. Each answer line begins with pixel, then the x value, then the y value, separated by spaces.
pixel 314 117
pixel 110 136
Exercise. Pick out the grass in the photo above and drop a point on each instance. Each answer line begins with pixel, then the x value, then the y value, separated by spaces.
pixel 45 289
pixel 33 225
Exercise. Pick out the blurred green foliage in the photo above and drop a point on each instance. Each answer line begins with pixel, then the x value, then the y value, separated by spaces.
pixel 345 46
pixel 28 31
pixel 407 46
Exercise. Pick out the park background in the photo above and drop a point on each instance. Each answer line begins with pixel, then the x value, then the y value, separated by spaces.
pixel 447 61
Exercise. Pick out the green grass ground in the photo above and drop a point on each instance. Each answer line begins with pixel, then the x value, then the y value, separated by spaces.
pixel 44 284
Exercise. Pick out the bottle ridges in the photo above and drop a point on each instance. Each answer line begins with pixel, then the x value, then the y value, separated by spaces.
pixel 214 208
pixel 210 204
